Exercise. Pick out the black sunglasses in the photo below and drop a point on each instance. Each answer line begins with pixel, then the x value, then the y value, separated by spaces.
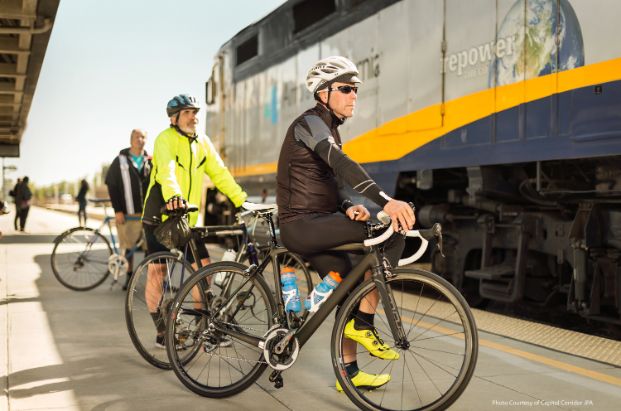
pixel 346 89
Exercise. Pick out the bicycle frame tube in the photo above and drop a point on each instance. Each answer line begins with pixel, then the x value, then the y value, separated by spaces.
pixel 194 251
pixel 243 246
pixel 349 283
pixel 106 222
pixel 390 307
pixel 274 253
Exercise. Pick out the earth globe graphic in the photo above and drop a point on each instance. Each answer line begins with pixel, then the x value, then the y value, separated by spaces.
pixel 532 26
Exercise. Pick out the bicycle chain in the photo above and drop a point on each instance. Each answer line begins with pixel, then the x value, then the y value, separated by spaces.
pixel 226 356
pixel 235 358
pixel 241 326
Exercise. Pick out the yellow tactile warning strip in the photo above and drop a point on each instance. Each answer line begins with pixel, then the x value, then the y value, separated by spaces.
pixel 553 363
pixel 524 354
pixel 570 342
pixel 547 336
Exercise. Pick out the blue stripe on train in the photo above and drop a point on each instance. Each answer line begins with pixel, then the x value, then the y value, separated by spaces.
pixel 580 123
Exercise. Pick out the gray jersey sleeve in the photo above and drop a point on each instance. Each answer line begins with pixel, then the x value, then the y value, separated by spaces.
pixel 317 131
pixel 319 139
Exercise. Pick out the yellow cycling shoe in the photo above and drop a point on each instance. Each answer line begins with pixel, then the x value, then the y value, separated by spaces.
pixel 366 381
pixel 370 340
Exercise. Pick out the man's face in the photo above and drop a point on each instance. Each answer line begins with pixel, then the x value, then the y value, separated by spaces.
pixel 138 140
pixel 342 103
pixel 187 121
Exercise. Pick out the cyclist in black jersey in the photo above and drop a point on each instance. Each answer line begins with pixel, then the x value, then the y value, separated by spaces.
pixel 316 214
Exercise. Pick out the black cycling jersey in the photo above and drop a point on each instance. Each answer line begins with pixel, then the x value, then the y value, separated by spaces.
pixel 312 167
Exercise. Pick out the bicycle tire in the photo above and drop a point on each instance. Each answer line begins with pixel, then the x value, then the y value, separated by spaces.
pixel 65 247
pixel 140 325
pixel 433 313
pixel 198 374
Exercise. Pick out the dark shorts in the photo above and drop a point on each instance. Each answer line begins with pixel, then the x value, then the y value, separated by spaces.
pixel 153 246
pixel 311 235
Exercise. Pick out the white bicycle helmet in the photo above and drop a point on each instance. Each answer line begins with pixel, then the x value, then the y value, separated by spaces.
pixel 330 69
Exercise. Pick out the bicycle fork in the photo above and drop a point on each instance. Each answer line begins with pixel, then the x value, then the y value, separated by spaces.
pixel 390 307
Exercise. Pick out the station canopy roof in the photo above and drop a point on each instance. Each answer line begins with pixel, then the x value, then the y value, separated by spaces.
pixel 25 28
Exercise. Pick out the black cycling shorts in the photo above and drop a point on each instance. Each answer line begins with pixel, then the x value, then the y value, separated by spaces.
pixel 153 246
pixel 311 235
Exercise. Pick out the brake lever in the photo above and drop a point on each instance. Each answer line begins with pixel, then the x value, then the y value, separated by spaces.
pixel 437 232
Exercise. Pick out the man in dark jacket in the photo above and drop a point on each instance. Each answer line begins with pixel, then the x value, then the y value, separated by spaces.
pixel 315 210
pixel 23 196
pixel 127 181
pixel 13 193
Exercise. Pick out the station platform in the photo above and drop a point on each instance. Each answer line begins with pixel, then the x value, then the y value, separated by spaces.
pixel 67 350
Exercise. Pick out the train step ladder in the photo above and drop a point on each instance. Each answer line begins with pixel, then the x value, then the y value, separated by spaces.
pixel 496 272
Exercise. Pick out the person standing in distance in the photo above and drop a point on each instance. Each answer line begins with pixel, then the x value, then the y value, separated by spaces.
pixel 127 181
pixel 23 197
pixel 181 159
pixel 81 199
pixel 315 211
pixel 13 193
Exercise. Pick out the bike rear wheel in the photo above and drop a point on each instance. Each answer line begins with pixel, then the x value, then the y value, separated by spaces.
pixel 148 301
pixel 437 364
pixel 236 301
pixel 80 258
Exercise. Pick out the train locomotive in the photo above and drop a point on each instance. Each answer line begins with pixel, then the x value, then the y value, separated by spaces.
pixel 501 119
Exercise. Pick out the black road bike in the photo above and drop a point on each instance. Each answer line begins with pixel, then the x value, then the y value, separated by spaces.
pixel 420 315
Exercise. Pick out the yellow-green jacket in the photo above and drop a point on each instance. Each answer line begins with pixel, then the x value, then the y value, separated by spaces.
pixel 179 165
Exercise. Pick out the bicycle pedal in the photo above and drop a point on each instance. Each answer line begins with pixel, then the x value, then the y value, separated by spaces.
pixel 209 347
pixel 276 378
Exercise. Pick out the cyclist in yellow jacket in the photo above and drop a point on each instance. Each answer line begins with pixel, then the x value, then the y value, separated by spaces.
pixel 181 159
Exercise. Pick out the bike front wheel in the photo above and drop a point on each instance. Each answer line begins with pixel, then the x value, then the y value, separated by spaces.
pixel 236 301
pixel 150 294
pixel 80 258
pixel 436 362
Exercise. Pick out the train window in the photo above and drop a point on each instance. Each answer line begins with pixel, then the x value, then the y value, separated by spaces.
pixel 308 12
pixel 247 50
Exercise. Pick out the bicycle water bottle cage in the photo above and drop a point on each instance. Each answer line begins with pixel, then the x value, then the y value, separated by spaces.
pixel 316 299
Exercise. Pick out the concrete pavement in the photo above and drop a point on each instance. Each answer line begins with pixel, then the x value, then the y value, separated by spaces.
pixel 67 350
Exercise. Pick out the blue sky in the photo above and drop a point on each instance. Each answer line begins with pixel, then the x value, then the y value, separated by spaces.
pixel 111 66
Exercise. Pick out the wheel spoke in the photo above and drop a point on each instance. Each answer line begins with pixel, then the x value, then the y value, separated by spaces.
pixel 224 364
pixel 437 364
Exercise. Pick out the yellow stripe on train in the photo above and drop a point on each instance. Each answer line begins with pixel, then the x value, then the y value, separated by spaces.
pixel 399 137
